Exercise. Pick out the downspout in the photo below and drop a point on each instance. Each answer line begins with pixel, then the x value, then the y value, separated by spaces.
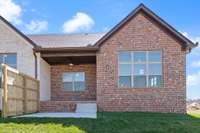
pixel 36 69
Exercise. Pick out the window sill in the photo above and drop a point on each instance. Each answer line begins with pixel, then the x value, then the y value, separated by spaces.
pixel 73 91
pixel 121 88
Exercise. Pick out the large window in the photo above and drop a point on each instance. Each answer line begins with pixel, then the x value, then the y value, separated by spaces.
pixel 139 69
pixel 74 81
pixel 9 59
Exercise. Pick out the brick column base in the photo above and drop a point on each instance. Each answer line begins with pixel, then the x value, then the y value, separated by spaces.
pixel 57 106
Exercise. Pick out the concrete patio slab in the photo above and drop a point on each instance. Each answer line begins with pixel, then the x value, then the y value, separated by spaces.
pixel 60 115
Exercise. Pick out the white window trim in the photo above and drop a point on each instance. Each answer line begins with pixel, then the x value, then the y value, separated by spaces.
pixel 147 62
pixel 73 81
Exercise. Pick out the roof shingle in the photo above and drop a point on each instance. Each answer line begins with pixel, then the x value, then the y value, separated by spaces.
pixel 66 40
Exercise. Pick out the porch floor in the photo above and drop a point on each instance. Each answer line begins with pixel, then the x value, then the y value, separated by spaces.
pixel 61 115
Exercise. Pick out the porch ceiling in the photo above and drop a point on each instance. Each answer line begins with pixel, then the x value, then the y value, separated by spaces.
pixel 73 59
pixel 68 55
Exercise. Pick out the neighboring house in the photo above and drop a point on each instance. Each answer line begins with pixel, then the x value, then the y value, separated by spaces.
pixel 139 65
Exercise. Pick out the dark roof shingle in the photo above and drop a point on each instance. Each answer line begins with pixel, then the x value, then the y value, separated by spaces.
pixel 66 40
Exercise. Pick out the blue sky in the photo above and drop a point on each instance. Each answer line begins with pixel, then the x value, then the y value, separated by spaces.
pixel 72 16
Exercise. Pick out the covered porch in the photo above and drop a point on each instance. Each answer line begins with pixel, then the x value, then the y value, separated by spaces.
pixel 72 82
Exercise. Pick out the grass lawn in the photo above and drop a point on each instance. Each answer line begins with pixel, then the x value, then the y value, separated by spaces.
pixel 106 123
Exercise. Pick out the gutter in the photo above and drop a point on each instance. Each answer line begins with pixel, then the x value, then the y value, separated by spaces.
pixel 67 49
pixel 193 46
pixel 196 45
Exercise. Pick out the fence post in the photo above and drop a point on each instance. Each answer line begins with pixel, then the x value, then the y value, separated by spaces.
pixel 38 96
pixel 5 92
pixel 24 95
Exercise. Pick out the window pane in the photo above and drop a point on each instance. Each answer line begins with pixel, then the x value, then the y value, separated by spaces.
pixel 139 81
pixel 155 56
pixel 124 56
pixel 154 81
pixel 79 76
pixel 10 59
pixel 125 81
pixel 155 69
pixel 79 86
pixel 139 69
pixel 124 69
pixel 67 77
pixel 139 56
pixel 13 65
pixel 68 86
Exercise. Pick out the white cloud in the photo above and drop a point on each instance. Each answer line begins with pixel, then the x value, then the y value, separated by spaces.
pixel 194 79
pixel 194 39
pixel 196 64
pixel 105 29
pixel 10 11
pixel 80 22
pixel 195 51
pixel 36 26
pixel 33 10
pixel 185 34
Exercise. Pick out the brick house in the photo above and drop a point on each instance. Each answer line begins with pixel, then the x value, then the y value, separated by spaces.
pixel 139 65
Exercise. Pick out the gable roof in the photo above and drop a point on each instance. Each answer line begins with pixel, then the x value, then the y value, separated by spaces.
pixel 18 32
pixel 66 40
pixel 79 41
pixel 187 43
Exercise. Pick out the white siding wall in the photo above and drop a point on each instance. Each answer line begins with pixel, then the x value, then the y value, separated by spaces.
pixel 44 77
pixel 11 42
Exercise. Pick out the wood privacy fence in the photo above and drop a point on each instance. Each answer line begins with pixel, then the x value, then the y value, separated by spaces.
pixel 20 93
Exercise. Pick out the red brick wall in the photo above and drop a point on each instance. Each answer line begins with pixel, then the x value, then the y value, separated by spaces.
pixel 59 94
pixel 57 106
pixel 142 33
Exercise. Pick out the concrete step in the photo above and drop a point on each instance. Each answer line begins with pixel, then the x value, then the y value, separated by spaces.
pixel 86 108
